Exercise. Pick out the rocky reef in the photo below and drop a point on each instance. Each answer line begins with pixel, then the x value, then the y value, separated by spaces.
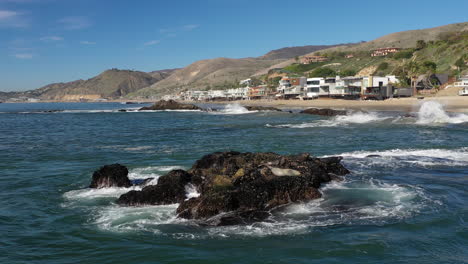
pixel 239 188
pixel 170 105
pixel 323 112
pixel 262 108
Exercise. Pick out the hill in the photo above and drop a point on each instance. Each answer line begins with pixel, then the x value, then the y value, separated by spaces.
pixel 436 50
pixel 220 73
pixel 112 83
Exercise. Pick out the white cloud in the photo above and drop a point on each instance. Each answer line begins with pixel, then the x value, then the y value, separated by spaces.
pixel 75 22
pixel 152 42
pixel 12 19
pixel 24 56
pixel 85 42
pixel 51 38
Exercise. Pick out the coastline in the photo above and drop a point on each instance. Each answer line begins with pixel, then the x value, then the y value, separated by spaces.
pixel 409 104
pixel 450 103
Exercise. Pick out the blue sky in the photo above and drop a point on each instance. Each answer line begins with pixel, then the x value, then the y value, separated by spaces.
pixel 45 41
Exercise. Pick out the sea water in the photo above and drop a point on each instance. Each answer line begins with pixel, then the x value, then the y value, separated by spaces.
pixel 404 201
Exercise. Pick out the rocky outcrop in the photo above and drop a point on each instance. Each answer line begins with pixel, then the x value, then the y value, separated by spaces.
pixel 169 190
pixel 239 188
pixel 114 175
pixel 323 112
pixel 170 105
pixel 262 108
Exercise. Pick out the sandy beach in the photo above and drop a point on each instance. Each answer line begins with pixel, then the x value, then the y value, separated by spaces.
pixel 450 103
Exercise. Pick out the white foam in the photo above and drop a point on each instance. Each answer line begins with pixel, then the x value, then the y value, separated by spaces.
pixel 130 219
pixel 233 109
pixel 90 193
pixel 433 112
pixel 191 191
pixel 341 120
pixel 399 157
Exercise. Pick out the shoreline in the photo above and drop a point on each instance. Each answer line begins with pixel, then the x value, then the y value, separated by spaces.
pixel 450 103
pixel 409 104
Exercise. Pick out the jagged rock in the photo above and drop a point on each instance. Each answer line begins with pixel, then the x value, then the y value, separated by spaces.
pixel 323 112
pixel 114 175
pixel 170 105
pixel 169 190
pixel 239 188
pixel 262 108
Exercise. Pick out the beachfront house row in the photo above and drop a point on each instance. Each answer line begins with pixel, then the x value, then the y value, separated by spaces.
pixel 384 51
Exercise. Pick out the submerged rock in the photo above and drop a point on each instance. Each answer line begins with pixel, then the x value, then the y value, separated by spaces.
pixel 323 112
pixel 170 105
pixel 239 188
pixel 114 175
pixel 262 108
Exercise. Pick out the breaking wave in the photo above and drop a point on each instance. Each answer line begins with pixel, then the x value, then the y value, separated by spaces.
pixel 233 109
pixel 341 120
pixel 409 157
pixel 433 112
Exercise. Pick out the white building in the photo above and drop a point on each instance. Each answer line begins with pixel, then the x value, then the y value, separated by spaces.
pixel 237 93
pixel 291 87
pixel 216 94
pixel 246 82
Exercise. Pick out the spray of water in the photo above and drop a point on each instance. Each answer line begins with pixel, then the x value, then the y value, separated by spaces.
pixel 433 112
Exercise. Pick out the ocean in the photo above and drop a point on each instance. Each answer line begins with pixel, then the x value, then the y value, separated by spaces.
pixel 405 200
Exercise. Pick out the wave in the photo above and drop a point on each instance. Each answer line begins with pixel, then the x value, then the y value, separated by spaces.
pixel 232 109
pixel 114 192
pixel 343 203
pixel 408 157
pixel 342 120
pixel 433 112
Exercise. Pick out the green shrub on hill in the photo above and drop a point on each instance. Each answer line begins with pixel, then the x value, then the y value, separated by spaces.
pixel 322 72
pixel 403 54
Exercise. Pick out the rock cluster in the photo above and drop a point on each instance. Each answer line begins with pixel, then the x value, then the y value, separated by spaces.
pixel 238 188
pixel 262 108
pixel 170 105
pixel 323 112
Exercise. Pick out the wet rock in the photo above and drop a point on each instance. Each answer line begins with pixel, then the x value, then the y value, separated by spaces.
pixel 373 156
pixel 170 105
pixel 240 188
pixel 169 190
pixel 323 112
pixel 262 108
pixel 114 175
pixel 122 110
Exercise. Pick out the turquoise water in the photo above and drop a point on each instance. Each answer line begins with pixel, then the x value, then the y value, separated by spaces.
pixel 406 205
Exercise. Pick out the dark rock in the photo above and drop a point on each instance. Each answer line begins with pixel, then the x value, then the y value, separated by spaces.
pixel 262 108
pixel 240 188
pixel 373 156
pixel 323 112
pixel 122 110
pixel 114 175
pixel 170 105
pixel 169 190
